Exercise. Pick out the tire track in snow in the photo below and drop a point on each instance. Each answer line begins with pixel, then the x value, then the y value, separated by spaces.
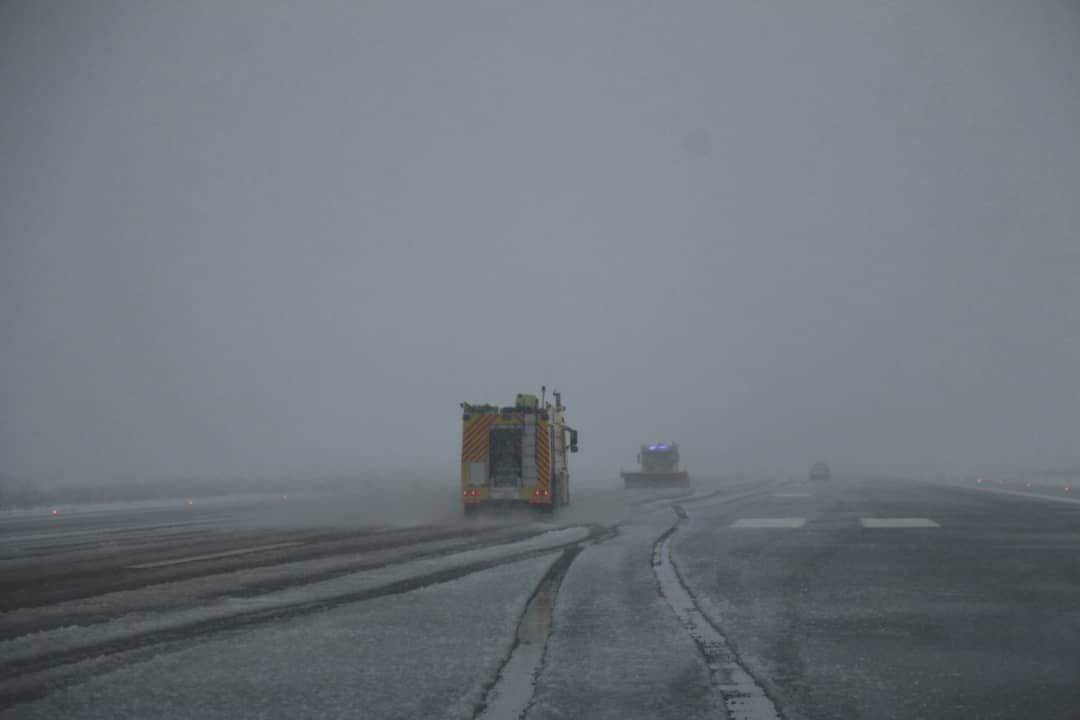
pixel 510 694
pixel 35 586
pixel 742 697
pixel 18 676
pixel 722 496
pixel 46 617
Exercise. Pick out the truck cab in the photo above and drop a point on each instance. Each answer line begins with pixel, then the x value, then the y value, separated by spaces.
pixel 658 467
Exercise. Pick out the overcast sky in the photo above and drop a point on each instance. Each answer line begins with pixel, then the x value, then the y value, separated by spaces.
pixel 254 237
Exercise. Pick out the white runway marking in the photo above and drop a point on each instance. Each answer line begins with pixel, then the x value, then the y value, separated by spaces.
pixel 787 523
pixel 107 533
pixel 1027 495
pixel 211 556
pixel 898 523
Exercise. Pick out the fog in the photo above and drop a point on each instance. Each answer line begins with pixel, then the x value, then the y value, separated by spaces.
pixel 258 239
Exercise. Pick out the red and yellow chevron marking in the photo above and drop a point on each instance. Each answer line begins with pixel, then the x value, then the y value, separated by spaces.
pixel 543 454
pixel 474 438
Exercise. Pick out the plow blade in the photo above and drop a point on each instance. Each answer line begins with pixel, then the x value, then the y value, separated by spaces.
pixel 656 479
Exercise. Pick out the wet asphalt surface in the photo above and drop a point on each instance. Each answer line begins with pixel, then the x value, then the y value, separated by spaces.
pixel 846 599
pixel 978 617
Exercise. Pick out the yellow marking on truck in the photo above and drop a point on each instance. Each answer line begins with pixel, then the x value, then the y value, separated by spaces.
pixel 543 454
pixel 475 438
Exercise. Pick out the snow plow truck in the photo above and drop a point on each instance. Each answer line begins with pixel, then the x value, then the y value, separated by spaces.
pixel 516 456
pixel 659 468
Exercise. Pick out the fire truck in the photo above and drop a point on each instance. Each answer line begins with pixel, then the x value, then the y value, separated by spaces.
pixel 516 456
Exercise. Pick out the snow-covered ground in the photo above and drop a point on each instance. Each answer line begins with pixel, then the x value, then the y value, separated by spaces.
pixel 422 629
pixel 617 650
pixel 134 506
pixel 68 638
pixel 426 653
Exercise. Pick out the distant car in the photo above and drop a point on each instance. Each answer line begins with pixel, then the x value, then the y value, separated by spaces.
pixel 820 471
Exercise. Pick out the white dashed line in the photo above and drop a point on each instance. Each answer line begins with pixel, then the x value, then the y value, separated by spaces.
pixel 212 556
pixel 898 523
pixel 785 523
pixel 1027 495
pixel 791 495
